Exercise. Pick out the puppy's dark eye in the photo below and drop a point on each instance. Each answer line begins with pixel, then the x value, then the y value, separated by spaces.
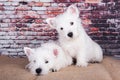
pixel 34 61
pixel 71 23
pixel 46 61
pixel 61 28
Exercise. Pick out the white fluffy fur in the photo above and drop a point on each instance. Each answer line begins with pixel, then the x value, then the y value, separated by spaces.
pixel 80 46
pixel 38 56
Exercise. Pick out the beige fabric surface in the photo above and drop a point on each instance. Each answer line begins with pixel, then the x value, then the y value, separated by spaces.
pixel 13 69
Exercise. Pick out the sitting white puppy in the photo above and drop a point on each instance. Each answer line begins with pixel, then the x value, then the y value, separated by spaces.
pixel 46 58
pixel 73 38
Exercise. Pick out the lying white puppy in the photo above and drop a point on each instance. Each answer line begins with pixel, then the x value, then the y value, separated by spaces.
pixel 48 57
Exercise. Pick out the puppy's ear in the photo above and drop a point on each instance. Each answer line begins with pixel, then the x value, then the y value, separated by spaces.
pixel 28 51
pixel 73 10
pixel 51 22
pixel 55 52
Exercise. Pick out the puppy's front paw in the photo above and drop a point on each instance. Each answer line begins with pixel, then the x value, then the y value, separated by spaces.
pixel 82 64
pixel 53 70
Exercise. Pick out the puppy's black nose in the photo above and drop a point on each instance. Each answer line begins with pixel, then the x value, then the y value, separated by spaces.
pixel 38 70
pixel 70 34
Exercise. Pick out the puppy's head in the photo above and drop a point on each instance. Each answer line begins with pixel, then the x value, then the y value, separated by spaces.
pixel 67 24
pixel 40 60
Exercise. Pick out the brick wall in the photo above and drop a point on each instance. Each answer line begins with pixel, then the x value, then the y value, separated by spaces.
pixel 22 23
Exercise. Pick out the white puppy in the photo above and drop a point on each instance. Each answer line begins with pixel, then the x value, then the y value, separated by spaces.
pixel 46 58
pixel 73 38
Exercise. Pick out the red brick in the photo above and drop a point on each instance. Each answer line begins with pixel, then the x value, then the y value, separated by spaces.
pixel 86 21
pixel 23 8
pixel 1 8
pixel 32 3
pixel 38 21
pixel 76 0
pixel 46 4
pixel 53 12
pixel 55 8
pixel 27 17
pixel 92 1
pixel 33 14
pixel 92 29
pixel 39 4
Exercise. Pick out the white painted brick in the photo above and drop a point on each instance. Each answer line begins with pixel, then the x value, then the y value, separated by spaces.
pixel 3 16
pixel 10 33
pixel 6 20
pixel 1 12
pixel 7 37
pixel 30 33
pixel 13 16
pixel 3 0
pixel 4 25
pixel 14 3
pixel 5 45
pixel 31 0
pixel 9 12
pixel 22 41
pixel 6 41
pixel 9 8
pixel 4 52
pixel 17 0
pixel 7 3
pixel 46 0
pixel 38 8
pixel 54 4
pixel 2 33
pixel 44 16
pixel 41 12
pixel 12 50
